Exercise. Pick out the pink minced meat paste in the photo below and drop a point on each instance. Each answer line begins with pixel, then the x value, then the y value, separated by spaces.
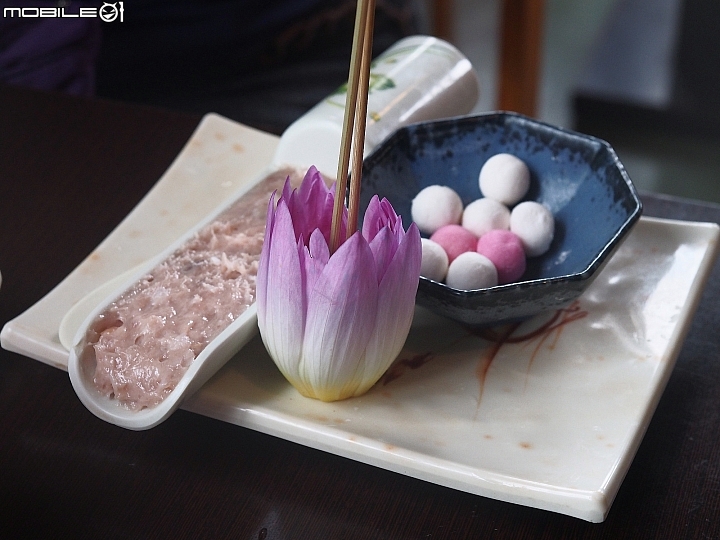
pixel 145 340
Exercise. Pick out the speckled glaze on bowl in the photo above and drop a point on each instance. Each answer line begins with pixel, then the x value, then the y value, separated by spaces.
pixel 579 177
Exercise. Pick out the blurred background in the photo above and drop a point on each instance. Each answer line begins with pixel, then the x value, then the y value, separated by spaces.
pixel 641 74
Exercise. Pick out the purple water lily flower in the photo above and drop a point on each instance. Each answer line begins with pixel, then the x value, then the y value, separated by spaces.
pixel 333 324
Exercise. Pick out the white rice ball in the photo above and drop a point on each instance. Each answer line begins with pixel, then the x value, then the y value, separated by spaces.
pixel 436 206
pixel 504 178
pixel 535 225
pixel 434 263
pixel 471 271
pixel 484 215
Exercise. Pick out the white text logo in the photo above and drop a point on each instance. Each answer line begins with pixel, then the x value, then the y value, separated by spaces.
pixel 108 12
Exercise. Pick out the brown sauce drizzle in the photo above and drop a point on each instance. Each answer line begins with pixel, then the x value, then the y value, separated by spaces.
pixel 398 368
pixel 555 325
pixel 497 337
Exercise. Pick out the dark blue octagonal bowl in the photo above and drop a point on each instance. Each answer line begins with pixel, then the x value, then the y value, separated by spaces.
pixel 578 177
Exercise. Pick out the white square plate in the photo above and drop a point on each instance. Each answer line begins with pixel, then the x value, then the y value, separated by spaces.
pixel 550 416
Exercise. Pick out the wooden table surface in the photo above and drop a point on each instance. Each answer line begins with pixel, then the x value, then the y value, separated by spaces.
pixel 70 170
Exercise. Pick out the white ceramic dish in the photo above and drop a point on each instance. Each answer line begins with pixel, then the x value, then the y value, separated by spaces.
pixel 82 368
pixel 552 421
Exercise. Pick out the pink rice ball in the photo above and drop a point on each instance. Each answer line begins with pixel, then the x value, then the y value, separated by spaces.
pixel 455 240
pixel 505 250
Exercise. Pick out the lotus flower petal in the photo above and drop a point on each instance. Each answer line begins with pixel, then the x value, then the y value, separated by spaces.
pixel 263 266
pixel 280 282
pixel 313 260
pixel 340 320
pixel 396 304
pixel 311 206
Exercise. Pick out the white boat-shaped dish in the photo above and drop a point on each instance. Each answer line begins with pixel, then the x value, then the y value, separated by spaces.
pixel 550 419
pixel 207 363
pixel 82 362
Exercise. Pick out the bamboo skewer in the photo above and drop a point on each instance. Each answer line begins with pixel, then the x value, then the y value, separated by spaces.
pixel 354 122
pixel 360 122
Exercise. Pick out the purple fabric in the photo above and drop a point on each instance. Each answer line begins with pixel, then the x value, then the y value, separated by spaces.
pixel 49 53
